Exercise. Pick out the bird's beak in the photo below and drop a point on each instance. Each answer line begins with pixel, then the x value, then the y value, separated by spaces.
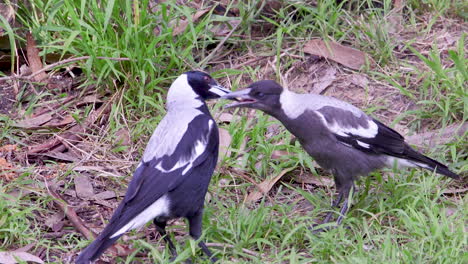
pixel 218 90
pixel 242 97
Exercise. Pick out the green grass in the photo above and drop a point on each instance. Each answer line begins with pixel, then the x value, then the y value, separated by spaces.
pixel 397 216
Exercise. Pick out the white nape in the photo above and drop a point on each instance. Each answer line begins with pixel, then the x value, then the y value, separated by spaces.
pixel 182 95
pixel 158 208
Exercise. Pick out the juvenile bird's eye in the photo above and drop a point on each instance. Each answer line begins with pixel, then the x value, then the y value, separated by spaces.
pixel 206 78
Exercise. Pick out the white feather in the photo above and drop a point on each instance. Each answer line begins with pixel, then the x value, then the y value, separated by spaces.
pixel 198 149
pixel 362 144
pixel 182 106
pixel 399 162
pixel 159 208
pixel 294 104
pixel 369 132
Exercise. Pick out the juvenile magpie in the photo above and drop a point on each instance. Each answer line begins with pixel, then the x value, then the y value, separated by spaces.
pixel 172 179
pixel 340 137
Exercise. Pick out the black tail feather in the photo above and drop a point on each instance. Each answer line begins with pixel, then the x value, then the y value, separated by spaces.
pixel 432 164
pixel 95 249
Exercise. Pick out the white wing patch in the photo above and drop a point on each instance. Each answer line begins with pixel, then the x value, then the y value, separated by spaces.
pixel 158 208
pixel 198 149
pixel 362 144
pixel 369 132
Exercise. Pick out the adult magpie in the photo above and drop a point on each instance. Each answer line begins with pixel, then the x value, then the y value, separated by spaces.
pixel 340 137
pixel 172 179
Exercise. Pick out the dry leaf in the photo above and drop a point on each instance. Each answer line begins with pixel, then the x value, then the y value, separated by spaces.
pixel 6 170
pixel 184 23
pixel 60 121
pixel 123 137
pixel 55 222
pixel 310 179
pixel 34 122
pixel 66 156
pixel 224 143
pixel 33 58
pixel 83 187
pixel 265 186
pixel 11 257
pixel 322 82
pixel 8 148
pixel 347 56
pixel 105 195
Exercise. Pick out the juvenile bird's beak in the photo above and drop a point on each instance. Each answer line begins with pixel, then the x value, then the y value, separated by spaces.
pixel 242 97
pixel 218 90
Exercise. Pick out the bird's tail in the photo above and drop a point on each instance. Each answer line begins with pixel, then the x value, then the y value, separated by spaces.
pixel 95 249
pixel 430 164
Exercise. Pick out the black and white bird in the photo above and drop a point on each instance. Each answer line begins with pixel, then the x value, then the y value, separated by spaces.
pixel 172 179
pixel 340 137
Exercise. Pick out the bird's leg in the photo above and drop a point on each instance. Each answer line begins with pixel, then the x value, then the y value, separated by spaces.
pixel 344 209
pixel 335 203
pixel 195 225
pixel 161 228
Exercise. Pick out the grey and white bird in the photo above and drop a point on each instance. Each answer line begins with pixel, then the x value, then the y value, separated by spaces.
pixel 341 138
pixel 172 179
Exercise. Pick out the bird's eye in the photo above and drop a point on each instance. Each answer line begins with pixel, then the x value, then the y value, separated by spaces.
pixel 260 94
pixel 206 78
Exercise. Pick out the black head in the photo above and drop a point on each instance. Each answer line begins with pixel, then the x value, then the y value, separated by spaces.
pixel 263 95
pixel 204 85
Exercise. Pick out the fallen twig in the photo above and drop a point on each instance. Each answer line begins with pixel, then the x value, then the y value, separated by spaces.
pixel 71 215
pixel 53 65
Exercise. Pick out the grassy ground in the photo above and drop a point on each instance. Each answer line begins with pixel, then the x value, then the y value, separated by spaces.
pixel 417 84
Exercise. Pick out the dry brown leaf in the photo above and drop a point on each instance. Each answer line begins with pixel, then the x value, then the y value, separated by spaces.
pixel 322 82
pixel 123 137
pixel 224 143
pixel 11 257
pixel 34 122
pixel 60 121
pixel 6 170
pixel 265 186
pixel 349 57
pixel 55 222
pixel 310 179
pixel 180 28
pixel 8 148
pixel 105 195
pixel 33 58
pixel 83 187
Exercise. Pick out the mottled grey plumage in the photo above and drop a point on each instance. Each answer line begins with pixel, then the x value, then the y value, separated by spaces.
pixel 339 136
